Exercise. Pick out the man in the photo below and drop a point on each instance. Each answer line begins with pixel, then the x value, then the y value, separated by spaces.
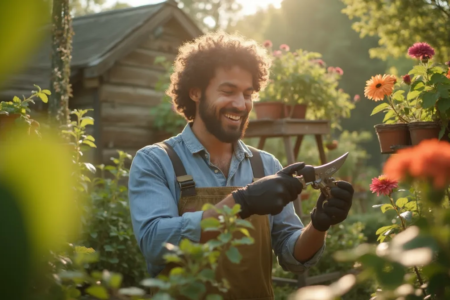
pixel 215 79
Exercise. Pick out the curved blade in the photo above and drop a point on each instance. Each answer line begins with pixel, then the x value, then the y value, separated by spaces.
pixel 327 170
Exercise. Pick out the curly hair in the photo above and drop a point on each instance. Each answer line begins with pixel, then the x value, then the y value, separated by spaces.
pixel 197 61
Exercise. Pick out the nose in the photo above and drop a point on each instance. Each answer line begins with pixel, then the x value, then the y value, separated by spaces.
pixel 240 103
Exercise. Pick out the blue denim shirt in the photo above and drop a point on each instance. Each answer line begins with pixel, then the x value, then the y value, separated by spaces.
pixel 154 194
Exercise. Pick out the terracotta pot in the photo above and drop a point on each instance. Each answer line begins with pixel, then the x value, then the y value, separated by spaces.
pixel 299 111
pixel 392 135
pixel 269 110
pixel 6 121
pixel 420 131
pixel 304 196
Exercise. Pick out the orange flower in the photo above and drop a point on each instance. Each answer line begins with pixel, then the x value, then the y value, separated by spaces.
pixel 448 74
pixel 378 87
pixel 428 160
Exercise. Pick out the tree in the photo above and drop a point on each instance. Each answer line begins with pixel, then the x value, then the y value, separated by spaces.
pixel 211 15
pixel 400 23
pixel 85 7
pixel 61 56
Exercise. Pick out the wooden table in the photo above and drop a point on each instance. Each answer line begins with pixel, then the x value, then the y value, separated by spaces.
pixel 287 128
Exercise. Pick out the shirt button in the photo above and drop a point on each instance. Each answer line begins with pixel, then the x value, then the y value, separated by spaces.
pixel 216 171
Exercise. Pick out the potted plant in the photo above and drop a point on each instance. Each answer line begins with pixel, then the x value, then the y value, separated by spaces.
pixel 307 88
pixel 167 122
pixel 16 112
pixel 416 108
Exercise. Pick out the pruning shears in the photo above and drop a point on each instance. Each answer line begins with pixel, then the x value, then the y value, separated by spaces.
pixel 319 177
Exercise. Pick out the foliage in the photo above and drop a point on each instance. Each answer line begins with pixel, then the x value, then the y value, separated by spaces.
pixel 396 23
pixel 107 223
pixel 21 108
pixel 211 15
pixel 425 98
pixel 299 77
pixel 196 263
pixel 165 117
pixel 79 142
pixel 85 7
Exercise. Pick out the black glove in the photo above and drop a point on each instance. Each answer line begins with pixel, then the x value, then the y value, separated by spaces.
pixel 337 208
pixel 270 194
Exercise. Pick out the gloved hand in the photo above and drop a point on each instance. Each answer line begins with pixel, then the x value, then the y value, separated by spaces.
pixel 337 208
pixel 270 194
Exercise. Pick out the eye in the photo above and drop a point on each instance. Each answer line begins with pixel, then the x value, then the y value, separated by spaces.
pixel 227 92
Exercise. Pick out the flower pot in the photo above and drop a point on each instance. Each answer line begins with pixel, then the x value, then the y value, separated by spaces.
pixel 392 135
pixel 7 121
pixel 269 110
pixel 298 111
pixel 420 131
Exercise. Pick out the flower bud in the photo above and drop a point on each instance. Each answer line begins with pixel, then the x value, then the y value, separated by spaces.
pixel 407 79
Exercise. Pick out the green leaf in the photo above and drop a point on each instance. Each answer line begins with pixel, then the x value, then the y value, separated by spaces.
pixel 429 99
pixel 244 231
pixel 398 95
pixel 383 229
pixel 97 291
pixel 243 241
pixel 225 237
pixel 438 78
pixel 412 206
pixel 151 282
pixel 418 70
pixel 390 114
pixel 115 280
pixel 214 243
pixel 233 255
pixel 16 99
pixel 208 274
pixel 89 138
pixel 443 90
pixel 244 223
pixel 89 143
pixel 177 271
pixel 443 105
pixel 401 202
pixel 436 69
pixel 418 86
pixel 43 97
pixel 108 248
pixel 214 297
pixel 185 245
pixel 47 92
pixel 210 223
pixel 194 290
pixel 172 258
pixel 413 94
pixel 379 108
pixel 236 209
pixel 386 207
pixel 87 121
pixel 441 132
pixel 132 291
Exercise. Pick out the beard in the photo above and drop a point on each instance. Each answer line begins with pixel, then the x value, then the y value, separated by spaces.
pixel 213 122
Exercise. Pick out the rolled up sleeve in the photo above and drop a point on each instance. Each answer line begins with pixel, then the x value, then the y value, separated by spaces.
pixel 154 209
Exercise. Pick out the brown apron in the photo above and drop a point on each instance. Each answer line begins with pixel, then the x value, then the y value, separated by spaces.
pixel 252 277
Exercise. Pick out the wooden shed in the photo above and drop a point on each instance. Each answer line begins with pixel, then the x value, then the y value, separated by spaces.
pixel 113 71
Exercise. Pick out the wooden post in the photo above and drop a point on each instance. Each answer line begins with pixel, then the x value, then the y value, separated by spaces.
pixel 323 158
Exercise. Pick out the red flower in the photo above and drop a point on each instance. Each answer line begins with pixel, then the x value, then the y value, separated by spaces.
pixel 407 79
pixel 383 185
pixel 448 74
pixel 421 50
pixel 284 47
pixel 319 62
pixel 277 53
pixel 430 160
pixel 356 98
pixel 339 71
pixel 267 44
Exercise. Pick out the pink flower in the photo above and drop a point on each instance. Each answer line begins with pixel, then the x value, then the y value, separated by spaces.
pixel 448 63
pixel 407 79
pixel 356 98
pixel 331 70
pixel 341 90
pixel 339 71
pixel 383 185
pixel 319 62
pixel 421 50
pixel 284 47
pixel 277 53
pixel 267 44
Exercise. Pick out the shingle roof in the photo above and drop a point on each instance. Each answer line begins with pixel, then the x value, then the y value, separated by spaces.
pixel 96 34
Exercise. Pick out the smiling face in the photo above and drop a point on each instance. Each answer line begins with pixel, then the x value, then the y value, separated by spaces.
pixel 225 105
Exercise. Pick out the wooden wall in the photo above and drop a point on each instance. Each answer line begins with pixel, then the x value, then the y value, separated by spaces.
pixel 127 94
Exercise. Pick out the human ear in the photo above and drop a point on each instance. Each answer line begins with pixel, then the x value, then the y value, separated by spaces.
pixel 195 94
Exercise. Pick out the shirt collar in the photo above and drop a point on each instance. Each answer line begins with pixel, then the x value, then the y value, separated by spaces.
pixel 193 144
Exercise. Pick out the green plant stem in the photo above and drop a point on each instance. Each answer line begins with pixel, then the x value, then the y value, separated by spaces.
pixel 396 112
pixel 419 277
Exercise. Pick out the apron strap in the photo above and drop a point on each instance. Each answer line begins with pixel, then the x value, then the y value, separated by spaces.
pixel 186 182
pixel 257 164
